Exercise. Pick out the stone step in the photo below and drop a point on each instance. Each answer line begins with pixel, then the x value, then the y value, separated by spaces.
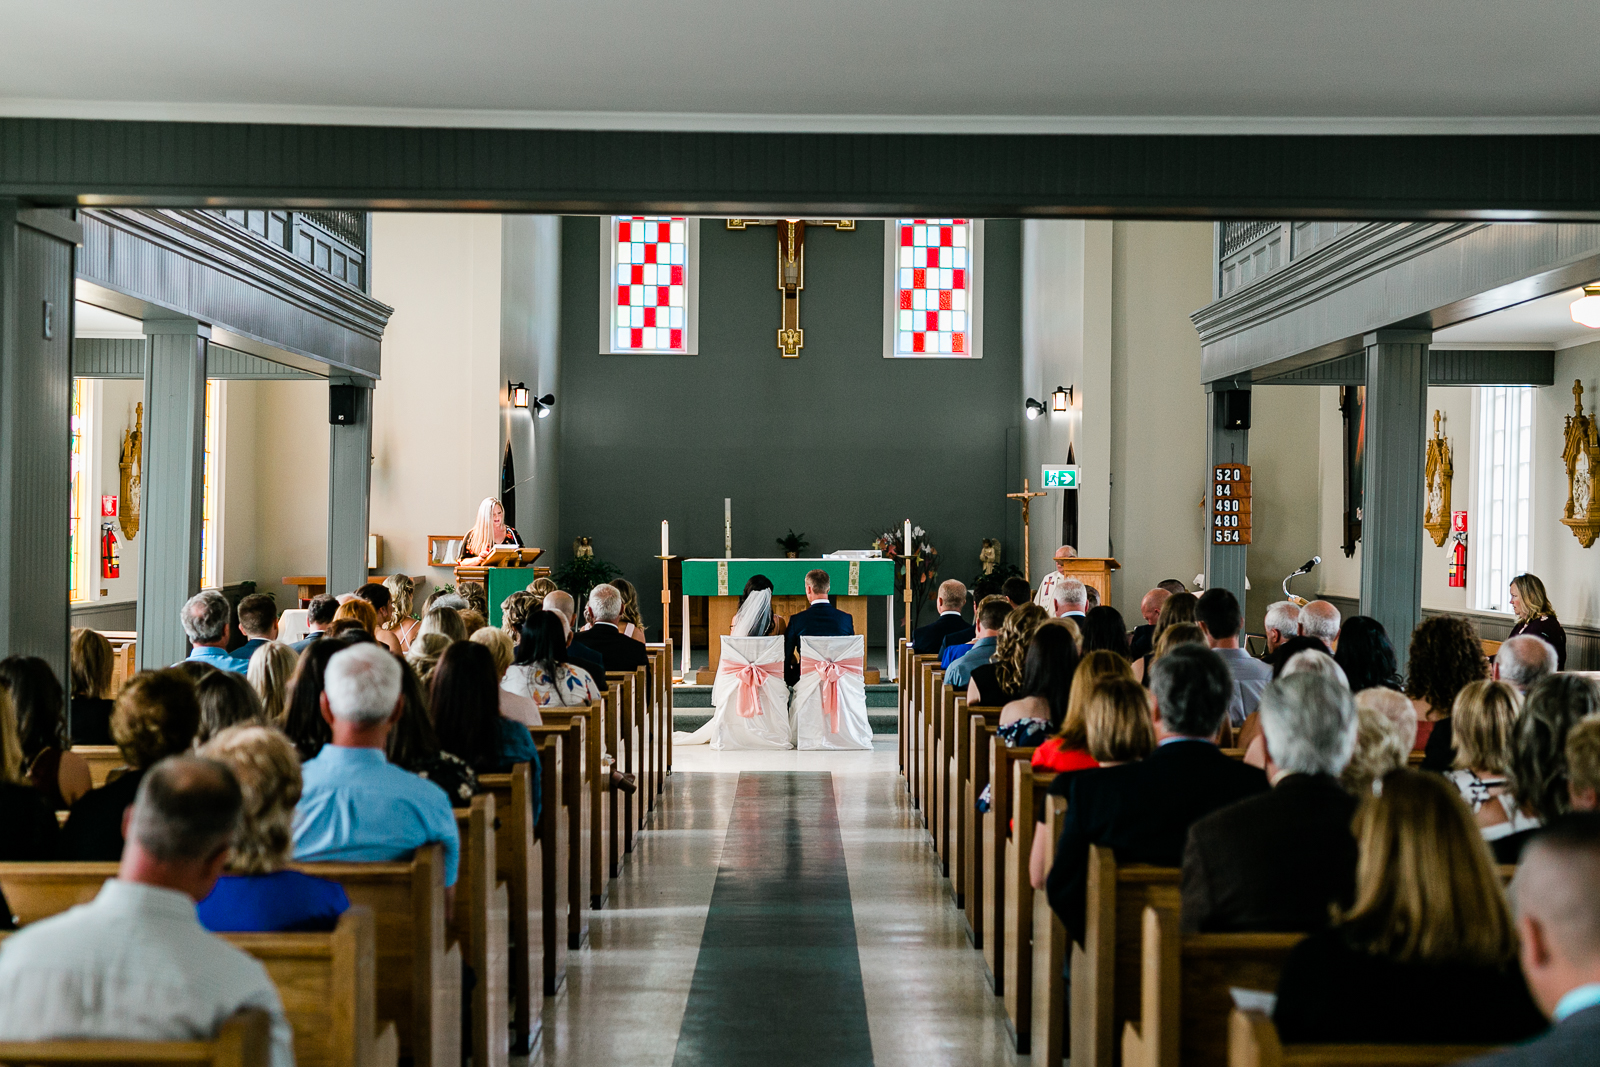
pixel 699 696
pixel 692 720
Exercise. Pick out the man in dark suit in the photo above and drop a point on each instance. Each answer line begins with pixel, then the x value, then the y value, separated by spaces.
pixel 1143 639
pixel 1143 810
pixel 578 654
pixel 1278 860
pixel 617 650
pixel 1558 920
pixel 821 619
pixel 952 598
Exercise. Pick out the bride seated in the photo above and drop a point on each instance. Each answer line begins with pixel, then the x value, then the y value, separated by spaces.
pixel 753 619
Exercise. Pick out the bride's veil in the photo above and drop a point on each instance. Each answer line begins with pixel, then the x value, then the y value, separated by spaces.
pixel 754 618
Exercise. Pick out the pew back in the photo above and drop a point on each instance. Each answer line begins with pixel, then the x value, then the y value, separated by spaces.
pixel 243 1041
pixel 1027 786
pixel 1253 1042
pixel 103 761
pixel 1047 1036
pixel 998 842
pixel 480 924
pixel 591 776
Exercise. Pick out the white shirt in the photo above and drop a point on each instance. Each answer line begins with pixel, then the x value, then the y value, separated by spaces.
pixel 134 964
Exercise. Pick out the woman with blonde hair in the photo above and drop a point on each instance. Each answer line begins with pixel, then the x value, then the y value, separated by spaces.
pixel 402 623
pixel 630 622
pixel 488 533
pixel 542 587
pixel 1484 714
pixel 443 620
pixel 1068 750
pixel 258 893
pixel 1386 723
pixel 1427 954
pixel 361 611
pixel 1177 608
pixel 271 668
pixel 89 707
pixel 31 829
pixel 997 683
pixel 1536 615
pixel 424 655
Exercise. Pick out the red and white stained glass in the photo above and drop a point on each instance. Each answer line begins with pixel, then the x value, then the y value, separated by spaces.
pixel 650 294
pixel 934 286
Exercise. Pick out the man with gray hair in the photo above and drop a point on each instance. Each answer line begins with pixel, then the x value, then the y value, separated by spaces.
pixel 1277 861
pixel 561 605
pixel 206 623
pixel 357 807
pixel 1524 660
pixel 952 597
pixel 135 964
pixel 1320 619
pixel 1072 599
pixel 1282 624
pixel 617 651
pixel 1558 928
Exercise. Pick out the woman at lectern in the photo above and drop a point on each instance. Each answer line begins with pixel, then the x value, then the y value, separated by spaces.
pixel 488 533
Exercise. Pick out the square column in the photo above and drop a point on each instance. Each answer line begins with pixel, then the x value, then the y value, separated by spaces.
pixel 1224 564
pixel 349 490
pixel 173 482
pixel 36 291
pixel 1392 497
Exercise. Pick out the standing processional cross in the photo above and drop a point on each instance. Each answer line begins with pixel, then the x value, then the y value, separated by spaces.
pixel 791 272
pixel 1027 500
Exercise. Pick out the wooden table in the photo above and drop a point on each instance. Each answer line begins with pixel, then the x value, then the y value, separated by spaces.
pixel 308 586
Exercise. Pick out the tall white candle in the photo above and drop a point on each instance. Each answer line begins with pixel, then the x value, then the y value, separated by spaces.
pixel 908 537
pixel 664 551
pixel 727 527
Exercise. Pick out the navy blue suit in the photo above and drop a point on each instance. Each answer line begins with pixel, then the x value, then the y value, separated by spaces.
pixel 821 619
pixel 927 639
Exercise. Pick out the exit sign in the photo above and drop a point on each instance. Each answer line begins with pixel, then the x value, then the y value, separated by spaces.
pixel 1058 477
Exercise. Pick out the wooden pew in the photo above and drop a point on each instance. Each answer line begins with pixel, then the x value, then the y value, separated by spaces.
pixel 1027 785
pixel 566 853
pixel 980 736
pixel 1105 969
pixel 944 752
pixel 930 680
pixel 920 670
pixel 103 761
pixel 242 1041
pixel 963 799
pixel 480 924
pixel 998 840
pixel 1253 1042
pixel 419 971
pixel 902 691
pixel 595 783
pixel 621 740
pixel 327 981
pixel 1184 989
pixel 1047 1035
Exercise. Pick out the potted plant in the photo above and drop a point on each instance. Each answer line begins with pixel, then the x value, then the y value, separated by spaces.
pixel 793 544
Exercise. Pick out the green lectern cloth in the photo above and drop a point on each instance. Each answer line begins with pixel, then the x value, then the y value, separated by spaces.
pixel 726 577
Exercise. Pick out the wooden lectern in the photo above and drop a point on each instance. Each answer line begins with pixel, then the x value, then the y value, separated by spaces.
pixel 504 556
pixel 1090 571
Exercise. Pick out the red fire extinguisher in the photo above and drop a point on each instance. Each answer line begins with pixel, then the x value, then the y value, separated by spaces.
pixel 110 564
pixel 1458 555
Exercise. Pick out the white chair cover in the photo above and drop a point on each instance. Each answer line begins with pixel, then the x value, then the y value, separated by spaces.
pixel 830 703
pixel 750 697
pixel 292 625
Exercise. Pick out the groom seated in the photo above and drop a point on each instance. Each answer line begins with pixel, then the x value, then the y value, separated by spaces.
pixel 821 619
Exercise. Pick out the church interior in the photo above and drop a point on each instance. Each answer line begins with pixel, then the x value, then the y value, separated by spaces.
pixel 1086 563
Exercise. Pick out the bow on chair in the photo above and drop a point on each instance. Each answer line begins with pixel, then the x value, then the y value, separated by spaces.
pixel 831 671
pixel 752 676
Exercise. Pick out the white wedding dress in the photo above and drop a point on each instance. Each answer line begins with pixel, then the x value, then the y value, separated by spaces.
pixel 754 617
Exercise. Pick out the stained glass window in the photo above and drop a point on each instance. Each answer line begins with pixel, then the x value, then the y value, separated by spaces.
pixel 933 291
pixel 649 297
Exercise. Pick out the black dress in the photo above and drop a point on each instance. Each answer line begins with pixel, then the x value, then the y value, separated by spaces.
pixel 91 721
pixel 1547 627
pixel 1331 992
pixel 94 829
pixel 31 834
pixel 990 694
pixel 1439 754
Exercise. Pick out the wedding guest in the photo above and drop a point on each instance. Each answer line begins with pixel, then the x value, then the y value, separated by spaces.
pixel 205 619
pixel 997 683
pixel 360 611
pixel 1484 715
pixel 60 775
pixel 424 655
pixel 512 706
pixel 1292 648
pixel 952 597
pixel 1179 607
pixel 1281 623
pixel 1583 765
pixel 617 651
pixel 441 619
pixel 541 670
pixel 1366 655
pixel 1179 633
pixel 319 616
pixel 1381 746
pixel 579 654
pixel 988 620
pixel 271 670
pixel 1041 703
pixel 476 594
pixel 1218 613
pixel 89 715
pixel 382 600
pixel 514 610
pixel 466 714
pixel 258 624
pixel 1427 953
pixel 1523 660
pixel 257 892
pixel 472 620
pixel 1536 615
pixel 226 699
pixel 1102 628
pixel 302 720
pixel 31 832
pixel 1143 639
pixel 413 745
pixel 1068 749
pixel 1538 767
pixel 1016 592
pixel 541 588
pixel 1445 655
pixel 401 624
pixel 629 622
pixel 1320 619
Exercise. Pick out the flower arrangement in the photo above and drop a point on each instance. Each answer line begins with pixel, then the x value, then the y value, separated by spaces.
pixel 921 568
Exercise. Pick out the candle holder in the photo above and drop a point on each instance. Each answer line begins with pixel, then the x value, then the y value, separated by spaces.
pixel 666 609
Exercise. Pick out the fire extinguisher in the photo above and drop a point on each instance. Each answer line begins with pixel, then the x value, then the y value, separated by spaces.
pixel 110 563
pixel 1458 554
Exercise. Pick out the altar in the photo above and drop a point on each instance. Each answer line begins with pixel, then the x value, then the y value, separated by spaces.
pixel 721 581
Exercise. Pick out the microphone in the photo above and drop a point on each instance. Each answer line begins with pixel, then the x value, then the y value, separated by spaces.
pixel 1305 568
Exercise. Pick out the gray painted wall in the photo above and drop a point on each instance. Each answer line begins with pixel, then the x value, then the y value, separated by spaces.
pixel 834 444
pixel 530 299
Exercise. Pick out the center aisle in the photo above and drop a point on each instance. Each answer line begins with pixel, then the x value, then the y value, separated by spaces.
pixel 784 851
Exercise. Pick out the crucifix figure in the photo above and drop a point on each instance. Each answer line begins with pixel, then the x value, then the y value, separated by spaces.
pixel 791 272
pixel 1027 501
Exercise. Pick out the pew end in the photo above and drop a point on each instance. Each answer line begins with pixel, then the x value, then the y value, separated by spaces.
pixel 1253 1042
pixel 244 1040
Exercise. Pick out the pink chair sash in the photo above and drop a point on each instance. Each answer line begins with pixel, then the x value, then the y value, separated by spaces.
pixel 752 676
pixel 831 670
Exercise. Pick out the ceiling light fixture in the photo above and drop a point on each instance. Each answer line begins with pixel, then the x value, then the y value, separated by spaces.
pixel 1061 399
pixel 518 392
pixel 1586 309
pixel 1032 409
pixel 542 406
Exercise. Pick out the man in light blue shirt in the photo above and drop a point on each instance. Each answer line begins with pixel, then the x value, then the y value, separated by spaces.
pixel 205 623
pixel 1558 927
pixel 258 622
pixel 355 805
pixel 990 616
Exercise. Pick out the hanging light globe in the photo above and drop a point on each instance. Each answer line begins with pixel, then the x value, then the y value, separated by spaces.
pixel 1586 309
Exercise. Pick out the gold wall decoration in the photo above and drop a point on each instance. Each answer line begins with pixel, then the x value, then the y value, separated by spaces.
pixel 1582 456
pixel 131 465
pixel 1439 473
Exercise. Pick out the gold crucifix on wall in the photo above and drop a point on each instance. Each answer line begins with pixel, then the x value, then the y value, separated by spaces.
pixel 791 272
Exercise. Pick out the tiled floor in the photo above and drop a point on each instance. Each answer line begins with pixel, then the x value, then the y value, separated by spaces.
pixel 927 1000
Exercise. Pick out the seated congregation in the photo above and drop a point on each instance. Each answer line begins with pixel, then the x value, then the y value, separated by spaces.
pixel 250 787
pixel 1354 825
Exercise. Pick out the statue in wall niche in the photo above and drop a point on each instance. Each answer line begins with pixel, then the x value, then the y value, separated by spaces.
pixel 989 554
pixel 581 548
pixel 1438 474
pixel 130 466
pixel 1582 455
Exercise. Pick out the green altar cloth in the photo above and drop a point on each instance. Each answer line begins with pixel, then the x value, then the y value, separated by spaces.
pixel 503 581
pixel 726 577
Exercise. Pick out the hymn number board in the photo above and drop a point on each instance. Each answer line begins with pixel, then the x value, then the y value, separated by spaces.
pixel 1230 504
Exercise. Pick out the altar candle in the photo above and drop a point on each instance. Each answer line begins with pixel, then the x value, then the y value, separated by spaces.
pixel 727 527
pixel 664 537
pixel 908 537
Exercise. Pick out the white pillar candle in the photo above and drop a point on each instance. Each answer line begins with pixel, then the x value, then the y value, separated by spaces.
pixel 727 527
pixel 664 551
pixel 908 537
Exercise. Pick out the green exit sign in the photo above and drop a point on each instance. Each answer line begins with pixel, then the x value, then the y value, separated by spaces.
pixel 1058 478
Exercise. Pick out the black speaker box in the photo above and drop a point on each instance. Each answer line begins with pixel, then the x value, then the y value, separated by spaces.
pixel 341 405
pixel 1233 409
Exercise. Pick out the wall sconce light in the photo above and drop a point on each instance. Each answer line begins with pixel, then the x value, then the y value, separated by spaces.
pixel 518 391
pixel 542 406
pixel 1032 409
pixel 1061 399
pixel 1586 309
